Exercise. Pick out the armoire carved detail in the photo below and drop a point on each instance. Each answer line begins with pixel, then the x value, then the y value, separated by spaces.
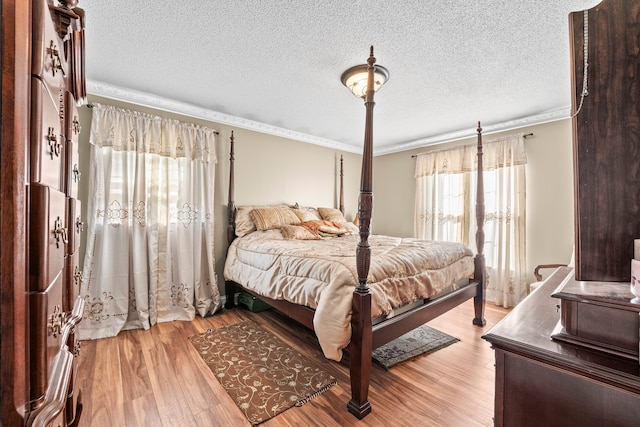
pixel 40 223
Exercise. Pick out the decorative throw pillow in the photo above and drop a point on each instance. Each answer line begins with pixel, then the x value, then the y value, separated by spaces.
pixel 326 228
pixel 296 232
pixel 334 229
pixel 306 214
pixel 332 214
pixel 268 218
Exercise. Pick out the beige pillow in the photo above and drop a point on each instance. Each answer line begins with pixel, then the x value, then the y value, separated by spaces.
pixel 326 228
pixel 296 232
pixel 334 228
pixel 268 218
pixel 306 214
pixel 244 223
pixel 332 214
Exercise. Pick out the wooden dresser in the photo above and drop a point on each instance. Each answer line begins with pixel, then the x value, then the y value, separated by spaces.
pixel 42 87
pixel 545 382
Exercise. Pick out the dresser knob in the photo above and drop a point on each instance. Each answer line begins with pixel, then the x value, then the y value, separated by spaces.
pixel 55 147
pixel 60 232
pixel 76 125
pixel 77 276
pixel 54 55
pixel 76 173
pixel 79 225
pixel 56 320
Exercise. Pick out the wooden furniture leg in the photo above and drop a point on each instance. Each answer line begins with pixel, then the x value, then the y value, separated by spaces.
pixel 360 355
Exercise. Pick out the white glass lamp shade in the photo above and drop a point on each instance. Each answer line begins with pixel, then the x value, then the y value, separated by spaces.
pixel 355 79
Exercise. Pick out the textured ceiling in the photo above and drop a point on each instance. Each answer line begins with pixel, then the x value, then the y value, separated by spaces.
pixel 275 66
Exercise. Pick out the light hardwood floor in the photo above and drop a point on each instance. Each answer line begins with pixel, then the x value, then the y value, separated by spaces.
pixel 156 378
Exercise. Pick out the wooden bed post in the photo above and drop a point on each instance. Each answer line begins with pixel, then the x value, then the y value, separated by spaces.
pixel 361 339
pixel 480 267
pixel 230 288
pixel 341 185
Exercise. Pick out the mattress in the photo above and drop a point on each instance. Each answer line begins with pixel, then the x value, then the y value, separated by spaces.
pixel 322 275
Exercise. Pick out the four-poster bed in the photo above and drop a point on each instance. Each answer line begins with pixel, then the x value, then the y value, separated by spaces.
pixel 438 288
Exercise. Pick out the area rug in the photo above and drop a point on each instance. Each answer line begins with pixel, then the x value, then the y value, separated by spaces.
pixel 262 374
pixel 412 344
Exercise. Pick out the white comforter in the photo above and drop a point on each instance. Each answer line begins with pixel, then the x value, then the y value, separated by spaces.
pixel 322 274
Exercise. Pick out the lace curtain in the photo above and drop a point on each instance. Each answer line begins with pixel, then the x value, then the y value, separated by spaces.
pixel 445 209
pixel 149 255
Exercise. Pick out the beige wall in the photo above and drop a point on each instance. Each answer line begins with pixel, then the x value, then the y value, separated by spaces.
pixel 272 169
pixel 549 192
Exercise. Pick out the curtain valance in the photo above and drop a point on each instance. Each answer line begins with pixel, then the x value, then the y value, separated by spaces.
pixel 125 130
pixel 503 152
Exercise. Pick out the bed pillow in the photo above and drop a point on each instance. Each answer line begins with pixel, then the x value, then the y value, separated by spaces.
pixel 306 214
pixel 244 224
pixel 273 217
pixel 296 232
pixel 333 229
pixel 326 228
pixel 332 214
pixel 335 216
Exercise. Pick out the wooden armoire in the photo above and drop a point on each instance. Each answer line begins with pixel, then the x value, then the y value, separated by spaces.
pixel 42 86
pixel 606 138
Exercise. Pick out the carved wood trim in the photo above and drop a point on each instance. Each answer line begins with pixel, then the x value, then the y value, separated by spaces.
pixel 15 31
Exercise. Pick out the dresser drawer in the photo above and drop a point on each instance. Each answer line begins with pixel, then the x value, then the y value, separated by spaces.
pixel 75 225
pixel 71 118
pixel 71 131
pixel 72 171
pixel 72 278
pixel 47 143
pixel 46 321
pixel 49 60
pixel 48 236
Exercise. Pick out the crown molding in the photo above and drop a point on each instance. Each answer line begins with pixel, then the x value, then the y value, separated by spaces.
pixel 159 103
pixel 538 119
pixel 152 101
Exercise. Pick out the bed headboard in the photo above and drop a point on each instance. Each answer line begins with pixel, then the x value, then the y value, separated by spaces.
pixel 231 205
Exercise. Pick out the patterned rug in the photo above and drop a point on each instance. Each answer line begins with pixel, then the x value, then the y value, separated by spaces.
pixel 412 344
pixel 262 374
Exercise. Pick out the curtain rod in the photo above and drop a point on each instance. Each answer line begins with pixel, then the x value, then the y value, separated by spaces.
pixel 89 105
pixel 413 156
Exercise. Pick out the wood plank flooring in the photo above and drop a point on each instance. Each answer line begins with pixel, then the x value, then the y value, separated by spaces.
pixel 156 378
